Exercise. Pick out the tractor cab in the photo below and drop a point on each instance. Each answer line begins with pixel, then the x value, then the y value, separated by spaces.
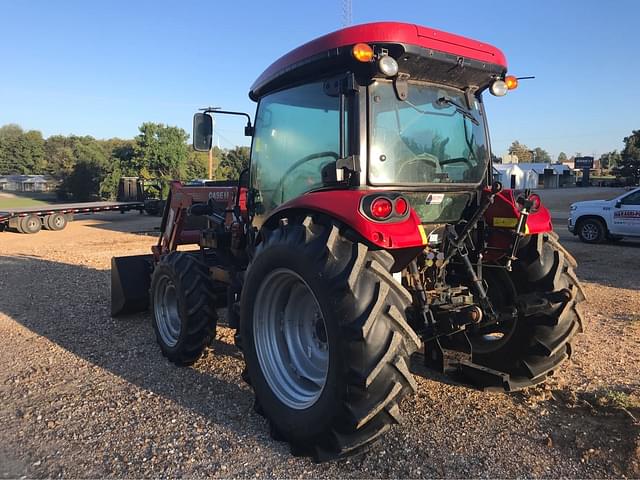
pixel 385 107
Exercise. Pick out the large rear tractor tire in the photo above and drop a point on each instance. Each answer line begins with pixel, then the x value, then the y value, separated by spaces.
pixel 325 338
pixel 183 307
pixel 531 347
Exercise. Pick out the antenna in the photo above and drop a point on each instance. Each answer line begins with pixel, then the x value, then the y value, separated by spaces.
pixel 347 13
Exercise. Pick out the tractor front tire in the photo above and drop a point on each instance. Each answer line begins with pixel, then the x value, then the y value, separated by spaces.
pixel 325 338
pixel 183 307
pixel 539 340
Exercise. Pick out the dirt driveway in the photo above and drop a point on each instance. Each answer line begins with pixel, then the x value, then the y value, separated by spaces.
pixel 84 395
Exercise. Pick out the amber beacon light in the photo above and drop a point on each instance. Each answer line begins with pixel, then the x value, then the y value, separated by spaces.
pixel 362 52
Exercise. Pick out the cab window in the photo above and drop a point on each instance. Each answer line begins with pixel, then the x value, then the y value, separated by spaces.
pixel 297 134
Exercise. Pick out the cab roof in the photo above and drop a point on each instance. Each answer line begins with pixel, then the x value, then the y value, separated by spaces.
pixel 406 34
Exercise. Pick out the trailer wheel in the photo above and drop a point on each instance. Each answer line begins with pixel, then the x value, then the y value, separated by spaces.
pixel 183 304
pixel 532 346
pixel 325 338
pixel 30 224
pixel 55 222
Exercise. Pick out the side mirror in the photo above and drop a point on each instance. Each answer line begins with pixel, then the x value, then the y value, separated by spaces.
pixel 618 203
pixel 202 132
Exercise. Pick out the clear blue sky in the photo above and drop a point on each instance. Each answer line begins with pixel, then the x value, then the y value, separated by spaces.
pixel 103 68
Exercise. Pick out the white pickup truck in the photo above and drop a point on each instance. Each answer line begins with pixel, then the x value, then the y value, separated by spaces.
pixel 595 221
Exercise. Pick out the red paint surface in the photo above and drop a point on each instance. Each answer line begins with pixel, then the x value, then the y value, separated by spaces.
pixel 344 205
pixel 500 238
pixel 387 32
pixel 505 206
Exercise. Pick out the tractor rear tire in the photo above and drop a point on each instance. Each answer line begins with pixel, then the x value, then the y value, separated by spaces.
pixel 537 344
pixel 309 273
pixel 183 307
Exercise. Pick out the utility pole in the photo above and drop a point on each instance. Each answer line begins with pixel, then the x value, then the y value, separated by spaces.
pixel 213 124
pixel 347 13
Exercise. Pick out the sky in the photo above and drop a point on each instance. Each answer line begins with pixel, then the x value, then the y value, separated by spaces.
pixel 102 68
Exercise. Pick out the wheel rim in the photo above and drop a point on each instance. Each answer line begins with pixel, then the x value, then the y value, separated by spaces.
pixel 165 308
pixel 290 337
pixel 58 220
pixel 32 224
pixel 590 231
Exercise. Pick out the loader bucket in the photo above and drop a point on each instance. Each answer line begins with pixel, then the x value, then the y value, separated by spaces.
pixel 130 282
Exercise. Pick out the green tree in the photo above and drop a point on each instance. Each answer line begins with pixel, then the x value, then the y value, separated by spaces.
pixel 198 165
pixel 541 156
pixel 562 157
pixel 89 170
pixel 21 152
pixel 161 151
pixel 58 151
pixel 632 145
pixel 610 160
pixel 521 151
pixel 630 161
pixel 234 161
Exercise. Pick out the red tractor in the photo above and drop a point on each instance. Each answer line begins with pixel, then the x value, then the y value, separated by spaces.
pixel 367 228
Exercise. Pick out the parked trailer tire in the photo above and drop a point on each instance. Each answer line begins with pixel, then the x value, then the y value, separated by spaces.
pixel 325 338
pixel 55 222
pixel 30 224
pixel 532 347
pixel 183 307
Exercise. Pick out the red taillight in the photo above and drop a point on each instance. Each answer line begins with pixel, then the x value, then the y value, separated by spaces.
pixel 381 208
pixel 401 206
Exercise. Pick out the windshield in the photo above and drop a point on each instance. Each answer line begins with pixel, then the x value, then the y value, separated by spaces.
pixel 429 138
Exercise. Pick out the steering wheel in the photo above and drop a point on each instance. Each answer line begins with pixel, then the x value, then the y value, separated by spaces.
pixel 425 158
pixel 303 160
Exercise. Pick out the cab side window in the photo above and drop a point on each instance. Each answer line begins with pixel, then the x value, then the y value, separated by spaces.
pixel 297 133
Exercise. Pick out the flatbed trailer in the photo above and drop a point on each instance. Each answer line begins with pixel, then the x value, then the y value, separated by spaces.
pixel 56 216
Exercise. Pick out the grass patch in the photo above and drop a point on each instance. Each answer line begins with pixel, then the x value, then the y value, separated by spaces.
pixel 619 399
pixel 18 202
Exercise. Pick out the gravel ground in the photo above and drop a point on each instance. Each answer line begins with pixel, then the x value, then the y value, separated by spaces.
pixel 85 395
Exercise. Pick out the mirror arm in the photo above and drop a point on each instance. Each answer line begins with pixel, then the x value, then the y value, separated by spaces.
pixel 248 129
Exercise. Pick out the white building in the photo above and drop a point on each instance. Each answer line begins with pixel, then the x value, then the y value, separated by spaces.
pixel 512 175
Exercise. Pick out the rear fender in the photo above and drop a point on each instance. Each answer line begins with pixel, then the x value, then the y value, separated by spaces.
pixel 504 214
pixel 501 219
pixel 344 206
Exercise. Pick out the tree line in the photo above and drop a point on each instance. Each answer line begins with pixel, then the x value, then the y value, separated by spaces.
pixel 624 163
pixel 88 168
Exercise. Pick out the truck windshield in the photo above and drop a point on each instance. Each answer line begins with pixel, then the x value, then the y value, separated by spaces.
pixel 428 138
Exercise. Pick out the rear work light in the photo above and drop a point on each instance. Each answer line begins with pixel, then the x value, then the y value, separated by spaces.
pixel 381 208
